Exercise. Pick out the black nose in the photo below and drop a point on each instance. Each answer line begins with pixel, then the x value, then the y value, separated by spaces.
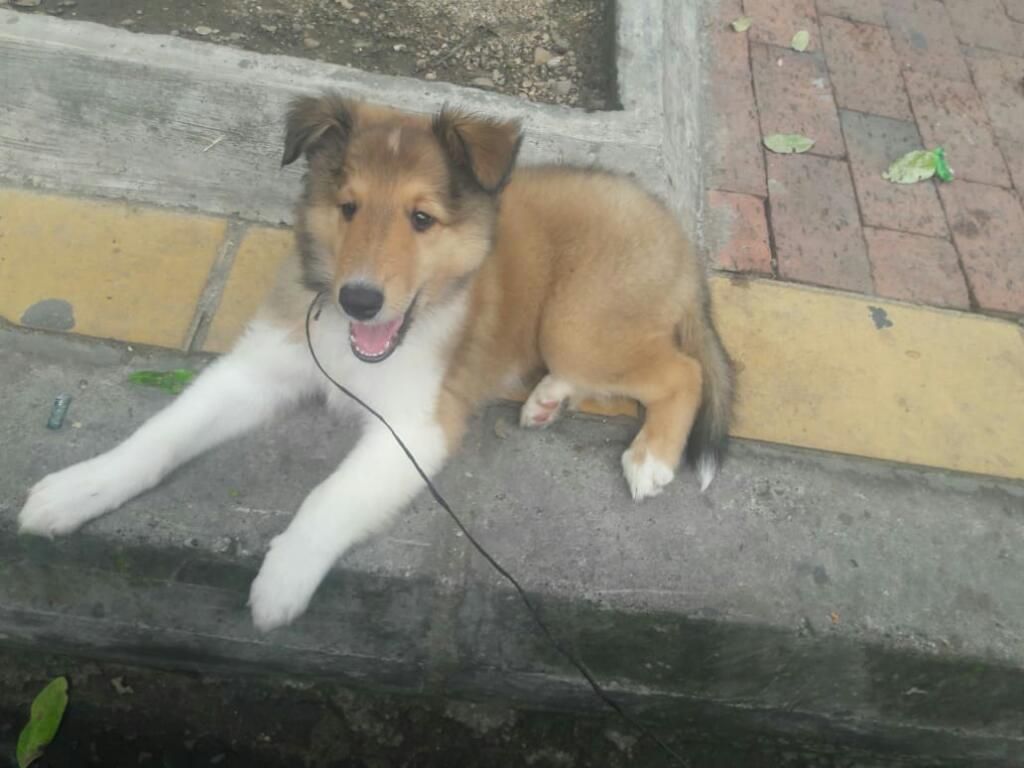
pixel 360 301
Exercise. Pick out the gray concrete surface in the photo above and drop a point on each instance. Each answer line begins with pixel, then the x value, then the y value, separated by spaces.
pixel 804 593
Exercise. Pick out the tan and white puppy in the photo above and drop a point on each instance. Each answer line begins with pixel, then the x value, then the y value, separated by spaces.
pixel 444 278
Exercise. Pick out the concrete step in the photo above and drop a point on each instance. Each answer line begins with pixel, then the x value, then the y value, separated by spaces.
pixel 805 593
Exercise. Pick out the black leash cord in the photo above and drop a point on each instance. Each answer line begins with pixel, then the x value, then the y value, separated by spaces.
pixel 598 690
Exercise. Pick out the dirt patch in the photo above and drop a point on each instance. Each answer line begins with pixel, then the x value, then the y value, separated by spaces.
pixel 553 51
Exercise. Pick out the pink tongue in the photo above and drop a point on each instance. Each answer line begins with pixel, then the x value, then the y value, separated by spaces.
pixel 373 340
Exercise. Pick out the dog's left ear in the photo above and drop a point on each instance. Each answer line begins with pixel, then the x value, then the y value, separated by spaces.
pixel 315 123
pixel 484 147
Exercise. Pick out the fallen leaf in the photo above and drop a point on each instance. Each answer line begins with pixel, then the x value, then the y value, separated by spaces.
pixel 788 143
pixel 919 165
pixel 501 428
pixel 169 381
pixel 801 40
pixel 742 24
pixel 44 721
pixel 835 617
pixel 913 167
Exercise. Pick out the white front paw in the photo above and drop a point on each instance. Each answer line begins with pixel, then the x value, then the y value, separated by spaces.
pixel 285 584
pixel 61 502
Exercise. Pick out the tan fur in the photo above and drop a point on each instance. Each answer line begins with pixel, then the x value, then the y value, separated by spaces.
pixel 578 273
pixel 587 280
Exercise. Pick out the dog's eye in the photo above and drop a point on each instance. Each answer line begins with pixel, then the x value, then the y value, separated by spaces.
pixel 421 221
pixel 348 210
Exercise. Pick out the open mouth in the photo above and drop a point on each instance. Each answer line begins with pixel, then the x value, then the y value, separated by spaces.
pixel 374 342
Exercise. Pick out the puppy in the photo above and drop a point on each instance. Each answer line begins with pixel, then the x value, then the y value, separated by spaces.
pixel 441 278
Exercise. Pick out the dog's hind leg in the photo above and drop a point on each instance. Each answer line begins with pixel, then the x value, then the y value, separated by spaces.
pixel 669 387
pixel 264 372
pixel 667 383
pixel 546 402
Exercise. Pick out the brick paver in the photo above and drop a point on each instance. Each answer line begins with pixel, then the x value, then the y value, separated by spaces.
pixel 950 114
pixel 817 229
pixel 1013 153
pixel 1000 81
pixel 915 268
pixel 864 68
pixel 736 163
pixel 776 21
pixel 742 233
pixel 874 142
pixel 869 11
pixel 923 37
pixel 985 24
pixel 794 96
pixel 988 229
pixel 882 78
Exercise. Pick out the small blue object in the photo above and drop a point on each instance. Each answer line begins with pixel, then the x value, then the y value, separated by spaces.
pixel 59 411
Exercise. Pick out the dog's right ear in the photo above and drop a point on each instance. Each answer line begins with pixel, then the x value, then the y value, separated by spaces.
pixel 315 123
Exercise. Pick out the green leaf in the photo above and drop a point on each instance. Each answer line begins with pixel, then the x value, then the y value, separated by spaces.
pixel 47 712
pixel 169 381
pixel 913 167
pixel 801 40
pixel 742 24
pixel 919 165
pixel 788 143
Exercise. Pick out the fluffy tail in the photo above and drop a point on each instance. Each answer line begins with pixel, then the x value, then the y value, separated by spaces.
pixel 706 444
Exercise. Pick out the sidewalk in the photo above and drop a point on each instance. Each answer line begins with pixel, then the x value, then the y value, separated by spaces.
pixel 856 569
pixel 879 78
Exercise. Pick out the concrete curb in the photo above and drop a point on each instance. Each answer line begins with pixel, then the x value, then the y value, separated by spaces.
pixel 805 594
pixel 58 87
pixel 189 281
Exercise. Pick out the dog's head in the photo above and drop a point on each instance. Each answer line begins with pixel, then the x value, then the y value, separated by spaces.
pixel 398 209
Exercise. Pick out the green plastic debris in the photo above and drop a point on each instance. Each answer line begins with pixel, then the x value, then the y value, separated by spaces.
pixel 919 165
pixel 801 40
pixel 942 169
pixel 788 143
pixel 742 24
pixel 169 381
pixel 44 721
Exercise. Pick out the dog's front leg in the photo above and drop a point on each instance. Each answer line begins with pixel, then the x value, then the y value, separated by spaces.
pixel 375 481
pixel 266 371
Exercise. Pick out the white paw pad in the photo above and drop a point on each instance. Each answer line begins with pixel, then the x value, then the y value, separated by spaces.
pixel 537 413
pixel 546 403
pixel 647 476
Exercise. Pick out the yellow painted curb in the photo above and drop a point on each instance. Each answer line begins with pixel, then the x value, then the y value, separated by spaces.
pixel 874 378
pixel 103 269
pixel 255 267
pixel 817 369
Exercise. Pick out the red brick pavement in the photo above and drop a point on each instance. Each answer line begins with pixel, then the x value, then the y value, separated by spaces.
pixel 880 77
